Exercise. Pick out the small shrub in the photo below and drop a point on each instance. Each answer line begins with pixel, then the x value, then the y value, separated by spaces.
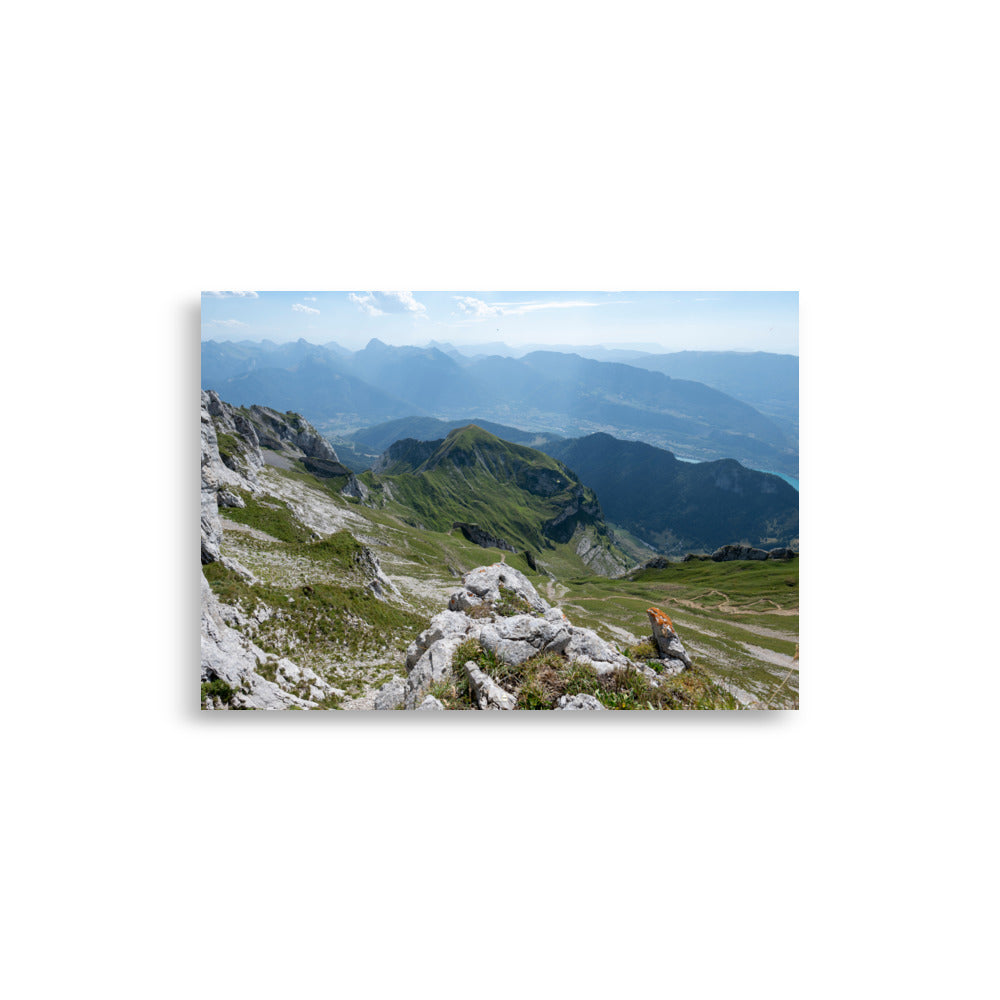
pixel 217 688
pixel 268 670
pixel 643 651
pixel 581 678
pixel 532 695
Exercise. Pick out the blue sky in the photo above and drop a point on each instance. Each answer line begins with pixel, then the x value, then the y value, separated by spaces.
pixel 665 321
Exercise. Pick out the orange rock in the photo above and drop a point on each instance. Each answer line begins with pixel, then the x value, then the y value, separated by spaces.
pixel 660 618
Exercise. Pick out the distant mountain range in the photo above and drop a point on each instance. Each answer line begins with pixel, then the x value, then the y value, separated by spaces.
pixel 543 391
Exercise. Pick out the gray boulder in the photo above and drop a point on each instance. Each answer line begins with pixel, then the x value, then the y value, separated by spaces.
pixel 579 703
pixel 485 583
pixel 390 695
pixel 445 624
pixel 519 637
pixel 433 665
pixel 430 704
pixel 227 499
pixel 588 646
pixel 486 693
pixel 665 636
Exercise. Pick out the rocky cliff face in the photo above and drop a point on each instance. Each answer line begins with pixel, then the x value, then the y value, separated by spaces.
pixel 500 645
pixel 231 665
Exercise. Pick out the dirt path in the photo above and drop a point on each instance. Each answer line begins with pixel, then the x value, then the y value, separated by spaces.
pixel 731 609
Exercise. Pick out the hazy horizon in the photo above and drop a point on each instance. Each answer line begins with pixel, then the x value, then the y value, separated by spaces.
pixel 657 322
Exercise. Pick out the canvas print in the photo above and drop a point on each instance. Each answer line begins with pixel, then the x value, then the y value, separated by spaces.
pixel 499 501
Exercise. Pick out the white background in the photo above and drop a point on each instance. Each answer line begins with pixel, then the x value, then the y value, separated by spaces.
pixel 848 152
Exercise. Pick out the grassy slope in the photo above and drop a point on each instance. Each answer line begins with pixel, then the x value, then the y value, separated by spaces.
pixel 476 477
pixel 738 620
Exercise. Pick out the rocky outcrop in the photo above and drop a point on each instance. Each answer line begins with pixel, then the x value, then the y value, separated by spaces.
pixel 430 704
pixel 289 432
pixel 219 479
pixel 581 510
pixel 672 652
pixel 230 657
pixel 486 693
pixel 390 695
pixel 729 553
pixel 355 488
pixel 596 557
pixel 480 611
pixel 579 703
pixel 484 539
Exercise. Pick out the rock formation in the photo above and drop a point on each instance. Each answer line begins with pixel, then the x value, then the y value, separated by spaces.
pixel 728 553
pixel 230 657
pixel 484 539
pixel 667 641
pixel 226 655
pixel 512 625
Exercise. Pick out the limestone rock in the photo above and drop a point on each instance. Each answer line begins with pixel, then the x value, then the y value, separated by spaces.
pixel 228 656
pixel 443 624
pixel 486 693
pixel 227 499
pixel 485 582
pixel 519 637
pixel 433 665
pixel 579 703
pixel 378 582
pixel 665 636
pixel 390 694
pixel 430 704
pixel 289 432
pixel 355 488
pixel 588 646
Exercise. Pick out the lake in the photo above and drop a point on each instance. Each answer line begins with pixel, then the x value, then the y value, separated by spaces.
pixel 794 483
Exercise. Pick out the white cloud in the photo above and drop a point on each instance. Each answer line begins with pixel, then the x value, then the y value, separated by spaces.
pixel 229 295
pixel 226 322
pixel 300 308
pixel 380 303
pixel 309 298
pixel 478 309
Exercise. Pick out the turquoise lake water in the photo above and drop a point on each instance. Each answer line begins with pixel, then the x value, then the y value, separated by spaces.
pixel 781 475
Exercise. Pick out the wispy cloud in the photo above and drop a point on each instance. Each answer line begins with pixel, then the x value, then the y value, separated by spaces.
pixel 478 309
pixel 309 298
pixel 230 295
pixel 226 322
pixel 300 308
pixel 380 303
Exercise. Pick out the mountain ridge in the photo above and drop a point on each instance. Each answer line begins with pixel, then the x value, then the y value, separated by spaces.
pixel 554 392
